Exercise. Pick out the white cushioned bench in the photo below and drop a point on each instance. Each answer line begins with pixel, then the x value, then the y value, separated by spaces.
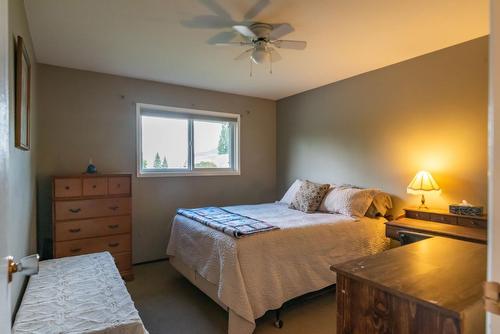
pixel 79 294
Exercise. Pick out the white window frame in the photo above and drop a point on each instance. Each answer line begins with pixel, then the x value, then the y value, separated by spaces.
pixel 191 171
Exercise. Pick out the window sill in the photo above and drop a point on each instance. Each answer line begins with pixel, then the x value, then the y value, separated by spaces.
pixel 196 173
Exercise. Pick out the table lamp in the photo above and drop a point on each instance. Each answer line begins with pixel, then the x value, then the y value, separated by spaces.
pixel 423 183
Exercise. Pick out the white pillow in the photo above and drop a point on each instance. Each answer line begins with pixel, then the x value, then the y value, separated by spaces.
pixel 382 202
pixel 291 192
pixel 348 201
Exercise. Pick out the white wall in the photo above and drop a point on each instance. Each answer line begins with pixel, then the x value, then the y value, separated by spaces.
pixel 379 128
pixel 88 114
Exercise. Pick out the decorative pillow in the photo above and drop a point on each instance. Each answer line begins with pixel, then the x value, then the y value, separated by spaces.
pixel 372 211
pixel 382 202
pixel 349 201
pixel 322 207
pixel 309 196
pixel 291 192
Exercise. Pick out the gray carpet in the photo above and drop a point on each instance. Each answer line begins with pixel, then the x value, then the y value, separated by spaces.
pixel 168 303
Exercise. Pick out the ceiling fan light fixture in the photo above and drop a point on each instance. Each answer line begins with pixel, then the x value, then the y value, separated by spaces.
pixel 260 55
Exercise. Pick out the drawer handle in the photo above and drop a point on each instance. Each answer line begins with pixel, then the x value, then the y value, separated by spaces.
pixel 113 226
pixel 94 186
pixel 75 210
pixel 67 187
pixel 75 250
pixel 473 223
pixel 114 208
pixel 118 185
pixel 115 244
pixel 75 230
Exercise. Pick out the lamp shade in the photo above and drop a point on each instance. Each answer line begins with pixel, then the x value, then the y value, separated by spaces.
pixel 422 183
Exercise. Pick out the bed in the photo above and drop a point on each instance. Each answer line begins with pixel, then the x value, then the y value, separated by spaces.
pixel 254 274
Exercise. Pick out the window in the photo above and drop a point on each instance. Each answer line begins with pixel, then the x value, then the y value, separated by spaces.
pixel 177 141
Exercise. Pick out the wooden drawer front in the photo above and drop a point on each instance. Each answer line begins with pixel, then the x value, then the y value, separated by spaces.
pixel 392 232
pixel 91 208
pixel 96 227
pixel 471 222
pixel 443 219
pixel 123 261
pixel 119 185
pixel 67 187
pixel 418 215
pixel 114 244
pixel 95 186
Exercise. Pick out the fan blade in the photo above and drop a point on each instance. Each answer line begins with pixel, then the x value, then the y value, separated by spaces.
pixel 284 44
pixel 280 30
pixel 245 31
pixel 216 8
pixel 275 56
pixel 256 9
pixel 208 21
pixel 233 44
pixel 244 54
pixel 222 37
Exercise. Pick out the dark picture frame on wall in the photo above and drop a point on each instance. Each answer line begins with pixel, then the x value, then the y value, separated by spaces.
pixel 23 96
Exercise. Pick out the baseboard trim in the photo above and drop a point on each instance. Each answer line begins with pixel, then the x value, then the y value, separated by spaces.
pixel 152 261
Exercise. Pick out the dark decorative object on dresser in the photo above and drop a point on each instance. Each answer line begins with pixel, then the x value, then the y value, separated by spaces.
pixel 439 223
pixel 93 213
pixel 466 209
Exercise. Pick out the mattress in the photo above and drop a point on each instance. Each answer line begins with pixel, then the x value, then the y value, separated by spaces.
pixel 258 273
pixel 79 294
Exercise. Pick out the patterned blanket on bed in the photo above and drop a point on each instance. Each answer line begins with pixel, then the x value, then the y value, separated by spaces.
pixel 226 221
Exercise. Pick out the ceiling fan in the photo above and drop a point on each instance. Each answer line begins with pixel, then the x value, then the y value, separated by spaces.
pixel 263 38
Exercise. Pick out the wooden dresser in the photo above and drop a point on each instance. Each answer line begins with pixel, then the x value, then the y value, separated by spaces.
pixel 432 286
pixel 439 223
pixel 93 213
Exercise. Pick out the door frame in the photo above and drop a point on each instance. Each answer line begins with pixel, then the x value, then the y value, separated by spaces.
pixel 5 308
pixel 493 321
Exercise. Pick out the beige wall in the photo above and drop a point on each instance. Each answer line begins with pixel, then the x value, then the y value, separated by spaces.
pixel 379 128
pixel 21 196
pixel 87 114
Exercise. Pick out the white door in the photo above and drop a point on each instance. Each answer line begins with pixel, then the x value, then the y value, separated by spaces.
pixel 5 319
pixel 494 160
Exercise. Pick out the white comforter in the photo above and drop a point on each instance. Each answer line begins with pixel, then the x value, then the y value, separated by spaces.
pixel 258 273
pixel 77 295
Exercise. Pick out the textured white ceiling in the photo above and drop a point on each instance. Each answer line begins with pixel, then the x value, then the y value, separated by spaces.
pixel 158 39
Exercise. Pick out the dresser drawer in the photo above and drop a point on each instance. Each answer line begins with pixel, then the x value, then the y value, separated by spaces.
pixel 119 185
pixel 418 215
pixel 123 261
pixel 70 187
pixel 95 186
pixel 113 244
pixel 443 219
pixel 392 232
pixel 472 222
pixel 91 208
pixel 97 227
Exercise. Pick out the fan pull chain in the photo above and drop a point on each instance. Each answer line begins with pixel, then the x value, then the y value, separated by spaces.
pixel 251 68
pixel 271 65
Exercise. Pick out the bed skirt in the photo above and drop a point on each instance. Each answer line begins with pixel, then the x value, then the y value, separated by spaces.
pixel 236 324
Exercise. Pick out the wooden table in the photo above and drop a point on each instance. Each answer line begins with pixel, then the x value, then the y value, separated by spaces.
pixel 431 286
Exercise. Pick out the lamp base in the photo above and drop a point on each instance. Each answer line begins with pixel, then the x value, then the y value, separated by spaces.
pixel 422 204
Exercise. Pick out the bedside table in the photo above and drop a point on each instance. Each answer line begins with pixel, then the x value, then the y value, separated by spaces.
pixel 439 223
